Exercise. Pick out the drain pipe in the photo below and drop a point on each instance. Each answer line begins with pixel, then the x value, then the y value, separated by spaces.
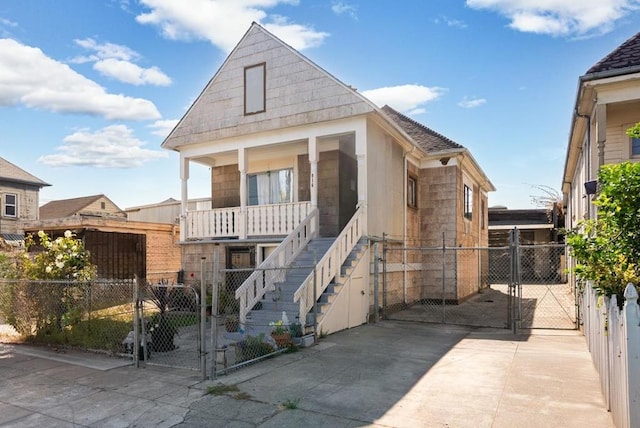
pixel 405 178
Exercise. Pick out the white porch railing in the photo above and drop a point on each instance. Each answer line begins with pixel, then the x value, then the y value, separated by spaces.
pixel 259 220
pixel 269 271
pixel 613 337
pixel 330 264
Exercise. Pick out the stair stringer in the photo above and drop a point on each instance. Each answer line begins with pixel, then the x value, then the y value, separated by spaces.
pixel 350 306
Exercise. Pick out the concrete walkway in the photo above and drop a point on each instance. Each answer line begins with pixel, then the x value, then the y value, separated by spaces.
pixel 392 374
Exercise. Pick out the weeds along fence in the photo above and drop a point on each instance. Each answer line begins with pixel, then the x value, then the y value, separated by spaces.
pixel 613 337
pixel 95 315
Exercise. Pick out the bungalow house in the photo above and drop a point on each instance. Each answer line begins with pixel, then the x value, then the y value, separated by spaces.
pixel 85 206
pixel 303 167
pixel 607 104
pixel 19 199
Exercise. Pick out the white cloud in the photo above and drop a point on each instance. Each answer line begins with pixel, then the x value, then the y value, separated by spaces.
pixel 560 17
pixel 129 72
pixel 29 77
pixel 407 99
pixel 8 23
pixel 340 8
pixel 110 147
pixel 450 22
pixel 472 102
pixel 163 127
pixel 116 61
pixel 224 22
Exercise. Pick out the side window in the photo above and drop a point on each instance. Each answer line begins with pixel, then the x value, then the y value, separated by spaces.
pixel 635 147
pixel 468 202
pixel 412 192
pixel 10 205
pixel 254 89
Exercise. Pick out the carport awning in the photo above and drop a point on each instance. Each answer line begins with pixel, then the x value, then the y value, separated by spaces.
pixel 12 237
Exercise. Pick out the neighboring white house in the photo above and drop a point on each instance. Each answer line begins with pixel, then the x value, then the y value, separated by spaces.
pixel 607 104
pixel 297 155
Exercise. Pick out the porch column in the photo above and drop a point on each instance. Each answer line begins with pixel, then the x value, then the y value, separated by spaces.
pixel 242 167
pixel 184 178
pixel 313 161
pixel 361 156
pixel 601 131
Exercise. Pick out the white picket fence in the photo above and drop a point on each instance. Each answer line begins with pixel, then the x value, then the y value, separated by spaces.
pixel 613 337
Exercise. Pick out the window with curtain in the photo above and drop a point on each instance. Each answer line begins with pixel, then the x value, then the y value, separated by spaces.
pixel 272 187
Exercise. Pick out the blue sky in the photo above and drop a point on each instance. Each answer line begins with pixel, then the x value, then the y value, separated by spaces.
pixel 89 89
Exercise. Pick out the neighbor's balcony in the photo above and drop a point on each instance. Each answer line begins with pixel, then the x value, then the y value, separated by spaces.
pixel 257 220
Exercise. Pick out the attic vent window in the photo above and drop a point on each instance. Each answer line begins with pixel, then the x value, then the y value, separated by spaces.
pixel 255 89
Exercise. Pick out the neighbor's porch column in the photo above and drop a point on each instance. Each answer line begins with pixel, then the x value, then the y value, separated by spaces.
pixel 361 156
pixel 184 178
pixel 601 131
pixel 313 176
pixel 242 167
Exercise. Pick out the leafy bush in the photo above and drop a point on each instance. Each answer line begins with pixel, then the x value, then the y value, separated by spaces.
pixel 607 249
pixel 63 266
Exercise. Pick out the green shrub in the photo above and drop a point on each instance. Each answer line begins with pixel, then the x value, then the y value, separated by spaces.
pixel 607 249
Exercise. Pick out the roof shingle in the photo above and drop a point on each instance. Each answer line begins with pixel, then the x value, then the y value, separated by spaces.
pixel 66 207
pixel 10 172
pixel 624 56
pixel 428 139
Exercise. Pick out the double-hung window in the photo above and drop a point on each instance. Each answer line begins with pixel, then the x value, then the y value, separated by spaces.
pixel 468 202
pixel 10 208
pixel 255 89
pixel 272 187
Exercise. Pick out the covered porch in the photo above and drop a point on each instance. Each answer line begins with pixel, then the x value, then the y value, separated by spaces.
pixel 266 185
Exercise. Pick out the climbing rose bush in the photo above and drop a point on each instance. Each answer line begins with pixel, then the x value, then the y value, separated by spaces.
pixel 62 258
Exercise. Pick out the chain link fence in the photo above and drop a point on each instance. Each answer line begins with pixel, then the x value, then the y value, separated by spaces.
pixel 485 287
pixel 95 315
pixel 271 326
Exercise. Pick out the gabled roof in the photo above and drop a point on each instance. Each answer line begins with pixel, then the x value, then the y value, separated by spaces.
pixel 624 56
pixel 10 172
pixel 67 207
pixel 427 139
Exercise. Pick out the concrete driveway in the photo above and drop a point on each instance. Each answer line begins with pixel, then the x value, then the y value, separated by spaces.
pixel 391 374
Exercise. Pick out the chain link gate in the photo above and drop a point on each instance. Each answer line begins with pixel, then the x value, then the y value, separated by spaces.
pixel 516 286
pixel 169 325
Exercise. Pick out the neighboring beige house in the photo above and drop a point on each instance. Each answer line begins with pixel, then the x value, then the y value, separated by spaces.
pixel 85 206
pixel 19 199
pixel 300 160
pixel 607 104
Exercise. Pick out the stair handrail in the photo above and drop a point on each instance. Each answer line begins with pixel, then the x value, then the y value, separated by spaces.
pixel 271 269
pixel 328 267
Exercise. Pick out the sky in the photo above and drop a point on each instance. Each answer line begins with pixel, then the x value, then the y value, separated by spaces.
pixel 90 89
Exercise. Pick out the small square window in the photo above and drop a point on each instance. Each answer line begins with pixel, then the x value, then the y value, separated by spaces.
pixel 468 202
pixel 254 89
pixel 10 205
pixel 635 147
pixel 412 192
